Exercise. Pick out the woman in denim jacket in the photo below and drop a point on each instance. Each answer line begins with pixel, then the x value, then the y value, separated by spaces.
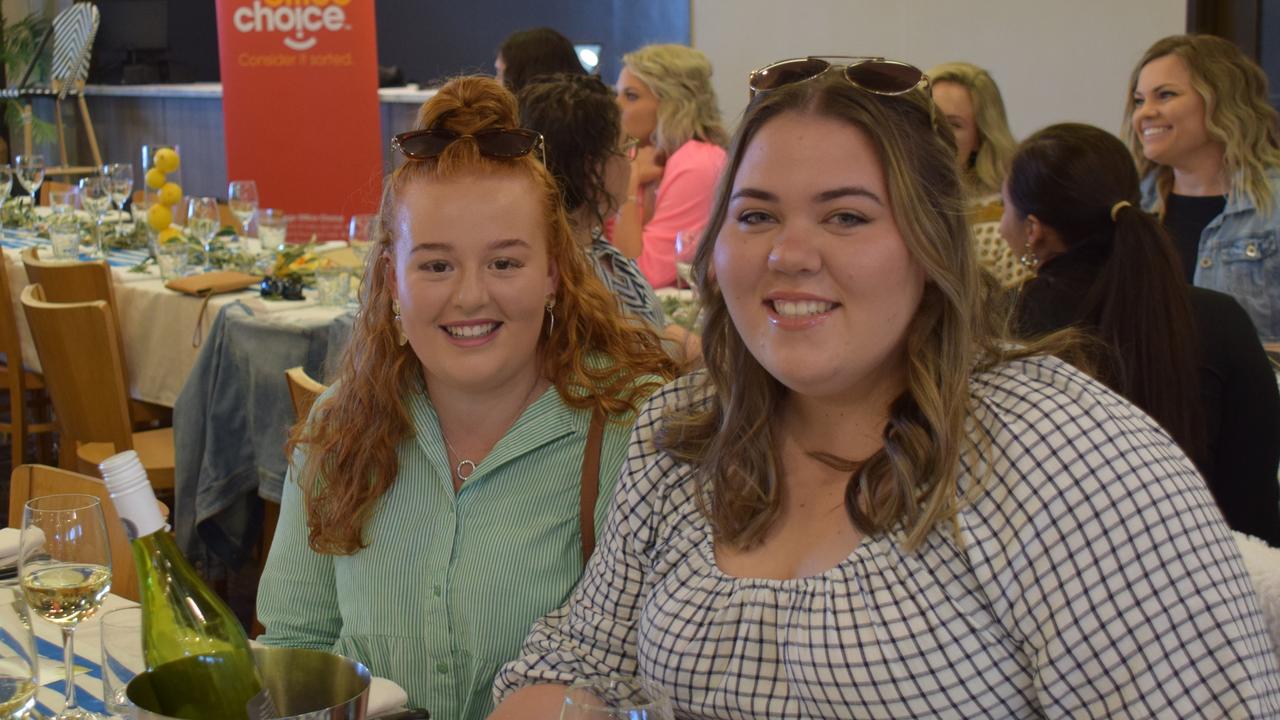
pixel 1206 142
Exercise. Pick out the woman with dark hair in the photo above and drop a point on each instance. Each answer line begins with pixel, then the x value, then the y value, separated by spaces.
pixel 578 117
pixel 1186 355
pixel 526 54
pixel 443 493
pixel 872 504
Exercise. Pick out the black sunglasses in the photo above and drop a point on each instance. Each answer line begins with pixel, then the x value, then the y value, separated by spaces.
pixel 873 74
pixel 499 142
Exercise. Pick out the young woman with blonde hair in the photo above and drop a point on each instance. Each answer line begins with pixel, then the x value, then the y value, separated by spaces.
pixel 669 107
pixel 440 497
pixel 1206 141
pixel 968 97
pixel 871 504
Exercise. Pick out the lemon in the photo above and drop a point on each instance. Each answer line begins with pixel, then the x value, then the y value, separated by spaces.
pixel 168 235
pixel 155 178
pixel 166 160
pixel 159 217
pixel 170 194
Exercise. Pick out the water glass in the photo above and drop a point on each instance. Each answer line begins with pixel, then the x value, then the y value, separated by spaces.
pixel 172 258
pixel 65 239
pixel 617 697
pixel 122 657
pixel 273 226
pixel 18 659
pixel 332 286
pixel 62 202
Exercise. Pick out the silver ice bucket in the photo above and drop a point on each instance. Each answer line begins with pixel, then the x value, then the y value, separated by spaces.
pixel 304 685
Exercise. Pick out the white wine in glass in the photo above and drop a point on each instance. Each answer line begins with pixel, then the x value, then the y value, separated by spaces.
pixel 30 174
pixel 65 571
pixel 242 196
pixel 17 656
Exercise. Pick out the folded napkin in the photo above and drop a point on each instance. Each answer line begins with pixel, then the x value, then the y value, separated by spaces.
pixel 385 697
pixel 10 542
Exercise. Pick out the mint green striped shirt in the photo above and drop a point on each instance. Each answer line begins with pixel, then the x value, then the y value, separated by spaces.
pixel 449 584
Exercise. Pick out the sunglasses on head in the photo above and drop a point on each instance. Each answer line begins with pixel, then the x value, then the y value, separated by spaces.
pixel 499 142
pixel 873 74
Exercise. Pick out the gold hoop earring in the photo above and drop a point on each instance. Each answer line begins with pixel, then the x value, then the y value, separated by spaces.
pixel 401 338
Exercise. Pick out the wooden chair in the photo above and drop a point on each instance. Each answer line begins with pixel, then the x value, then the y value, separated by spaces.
pixel 17 382
pixel 28 481
pixel 84 282
pixel 79 353
pixel 51 186
pixel 303 391
pixel 72 32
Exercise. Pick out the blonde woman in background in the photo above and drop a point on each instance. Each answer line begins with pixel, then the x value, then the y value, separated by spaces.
pixel 969 99
pixel 670 108
pixel 1205 139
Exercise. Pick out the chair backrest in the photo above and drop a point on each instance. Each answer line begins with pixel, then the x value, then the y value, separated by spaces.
pixel 303 391
pixel 73 32
pixel 29 481
pixel 10 342
pixel 77 282
pixel 77 346
pixel 51 186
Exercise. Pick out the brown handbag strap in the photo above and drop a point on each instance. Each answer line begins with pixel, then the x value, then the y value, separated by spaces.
pixel 590 485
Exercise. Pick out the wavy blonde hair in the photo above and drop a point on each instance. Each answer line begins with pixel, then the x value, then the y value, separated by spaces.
pixel 1237 113
pixel 347 472
pixel 912 481
pixel 995 142
pixel 680 77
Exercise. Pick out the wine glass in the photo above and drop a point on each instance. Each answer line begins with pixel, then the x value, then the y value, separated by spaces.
pixel 686 248
pixel 30 174
pixel 17 656
pixel 202 223
pixel 360 235
pixel 95 197
pixel 242 195
pixel 120 177
pixel 65 571
pixel 617 697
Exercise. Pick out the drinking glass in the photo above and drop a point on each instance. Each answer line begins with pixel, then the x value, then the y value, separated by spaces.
pixel 18 663
pixel 65 571
pixel 122 657
pixel 332 286
pixel 65 239
pixel 30 174
pixel 686 249
pixel 360 235
pixel 202 222
pixel 273 226
pixel 172 258
pixel 120 177
pixel 616 697
pixel 242 195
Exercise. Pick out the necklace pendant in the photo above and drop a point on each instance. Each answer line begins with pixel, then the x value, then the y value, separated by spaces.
pixel 470 469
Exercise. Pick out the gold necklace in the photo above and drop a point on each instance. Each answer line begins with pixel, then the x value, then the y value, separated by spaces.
pixel 470 465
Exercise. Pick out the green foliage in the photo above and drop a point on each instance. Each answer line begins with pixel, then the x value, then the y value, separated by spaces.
pixel 21 41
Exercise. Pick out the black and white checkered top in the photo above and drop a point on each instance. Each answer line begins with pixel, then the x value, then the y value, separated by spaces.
pixel 1094 577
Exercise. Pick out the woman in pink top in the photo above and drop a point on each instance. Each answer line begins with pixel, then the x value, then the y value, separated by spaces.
pixel 668 105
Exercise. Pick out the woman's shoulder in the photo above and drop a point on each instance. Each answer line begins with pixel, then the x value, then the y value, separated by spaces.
pixel 696 153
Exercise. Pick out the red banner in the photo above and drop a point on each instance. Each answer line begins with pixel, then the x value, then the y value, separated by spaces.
pixel 300 108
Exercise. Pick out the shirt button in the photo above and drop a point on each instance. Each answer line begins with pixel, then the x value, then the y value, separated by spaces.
pixel 442 668
pixel 1206 262
pixel 1251 250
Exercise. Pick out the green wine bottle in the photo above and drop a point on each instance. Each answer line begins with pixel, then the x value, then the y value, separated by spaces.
pixel 195 648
